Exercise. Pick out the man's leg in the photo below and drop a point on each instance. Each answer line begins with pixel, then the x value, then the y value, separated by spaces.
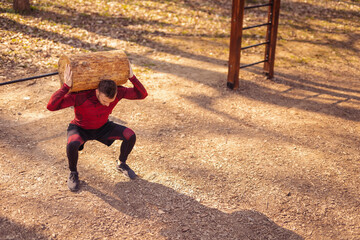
pixel 128 137
pixel 127 145
pixel 74 141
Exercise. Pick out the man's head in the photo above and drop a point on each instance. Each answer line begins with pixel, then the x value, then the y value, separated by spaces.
pixel 106 92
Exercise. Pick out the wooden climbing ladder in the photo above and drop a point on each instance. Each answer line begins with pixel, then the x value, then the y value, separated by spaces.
pixel 238 8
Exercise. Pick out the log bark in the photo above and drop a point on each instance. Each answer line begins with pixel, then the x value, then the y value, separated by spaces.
pixel 21 6
pixel 90 68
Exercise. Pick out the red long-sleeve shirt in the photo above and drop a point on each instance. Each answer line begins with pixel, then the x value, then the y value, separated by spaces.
pixel 89 112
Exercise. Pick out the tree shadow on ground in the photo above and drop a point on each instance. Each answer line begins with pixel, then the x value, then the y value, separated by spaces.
pixel 95 23
pixel 185 218
pixel 309 101
pixel 182 216
pixel 12 230
pixel 259 92
pixel 35 32
pixel 100 24
pixel 307 9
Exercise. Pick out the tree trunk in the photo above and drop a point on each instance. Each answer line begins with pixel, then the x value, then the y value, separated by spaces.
pixel 21 6
pixel 89 68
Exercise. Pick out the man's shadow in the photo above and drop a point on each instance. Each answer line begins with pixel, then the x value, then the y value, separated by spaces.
pixel 186 218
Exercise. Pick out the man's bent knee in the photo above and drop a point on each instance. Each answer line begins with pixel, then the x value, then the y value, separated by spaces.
pixel 74 145
pixel 128 133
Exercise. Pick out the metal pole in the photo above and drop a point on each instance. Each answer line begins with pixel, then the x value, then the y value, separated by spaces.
pixel 29 78
pixel 257 6
pixel 252 64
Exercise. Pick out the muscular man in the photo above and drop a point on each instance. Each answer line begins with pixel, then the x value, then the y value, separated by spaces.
pixel 92 109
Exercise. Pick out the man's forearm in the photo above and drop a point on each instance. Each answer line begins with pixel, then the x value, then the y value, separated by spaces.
pixel 138 88
pixel 56 101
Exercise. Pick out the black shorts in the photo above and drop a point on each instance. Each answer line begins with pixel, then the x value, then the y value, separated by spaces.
pixel 102 134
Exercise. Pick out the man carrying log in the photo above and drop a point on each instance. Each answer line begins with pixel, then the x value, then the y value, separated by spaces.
pixel 92 109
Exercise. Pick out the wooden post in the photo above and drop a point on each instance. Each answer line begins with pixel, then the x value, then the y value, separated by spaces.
pixel 271 35
pixel 235 43
pixel 21 6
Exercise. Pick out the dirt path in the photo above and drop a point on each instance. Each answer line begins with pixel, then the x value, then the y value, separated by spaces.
pixel 273 160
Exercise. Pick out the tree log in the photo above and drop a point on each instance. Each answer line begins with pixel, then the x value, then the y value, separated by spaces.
pixel 21 6
pixel 90 68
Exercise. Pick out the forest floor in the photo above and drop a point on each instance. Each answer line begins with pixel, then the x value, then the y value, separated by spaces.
pixel 274 159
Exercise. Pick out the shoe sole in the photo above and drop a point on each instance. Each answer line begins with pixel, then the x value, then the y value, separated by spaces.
pixel 77 188
pixel 125 173
pixel 74 190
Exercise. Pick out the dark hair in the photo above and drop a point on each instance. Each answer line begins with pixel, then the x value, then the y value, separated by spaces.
pixel 108 87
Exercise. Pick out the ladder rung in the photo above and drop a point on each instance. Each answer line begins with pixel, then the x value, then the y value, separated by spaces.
pixel 257 6
pixel 259 25
pixel 255 45
pixel 251 64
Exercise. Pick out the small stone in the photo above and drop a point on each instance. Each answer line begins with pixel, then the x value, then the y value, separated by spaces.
pixel 185 229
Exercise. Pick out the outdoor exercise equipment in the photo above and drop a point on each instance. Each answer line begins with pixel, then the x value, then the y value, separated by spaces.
pixel 238 8
pixel 88 69
pixel 29 78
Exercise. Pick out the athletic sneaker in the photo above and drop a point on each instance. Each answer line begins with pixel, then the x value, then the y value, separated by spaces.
pixel 73 181
pixel 125 169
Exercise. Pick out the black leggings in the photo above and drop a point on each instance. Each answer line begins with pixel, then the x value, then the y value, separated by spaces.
pixel 107 134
